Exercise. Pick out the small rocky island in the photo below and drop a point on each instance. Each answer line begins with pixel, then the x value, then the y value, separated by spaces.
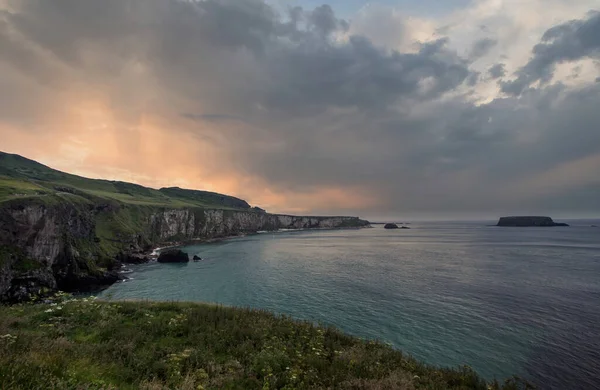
pixel 173 256
pixel 526 221
pixel 390 226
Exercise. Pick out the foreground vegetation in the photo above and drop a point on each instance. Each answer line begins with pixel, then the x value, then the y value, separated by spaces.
pixel 91 344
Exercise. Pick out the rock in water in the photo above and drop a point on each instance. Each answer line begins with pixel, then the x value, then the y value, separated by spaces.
pixel 404 227
pixel 197 258
pixel 528 221
pixel 390 226
pixel 173 256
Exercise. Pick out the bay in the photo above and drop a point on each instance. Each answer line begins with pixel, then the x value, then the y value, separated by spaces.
pixel 505 301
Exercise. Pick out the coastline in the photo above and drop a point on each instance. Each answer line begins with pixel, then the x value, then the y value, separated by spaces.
pixel 153 254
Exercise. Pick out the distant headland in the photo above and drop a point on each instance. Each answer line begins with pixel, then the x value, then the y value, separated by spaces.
pixel 65 232
pixel 525 221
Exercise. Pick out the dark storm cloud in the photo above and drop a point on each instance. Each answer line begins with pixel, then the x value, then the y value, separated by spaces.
pixel 314 76
pixel 301 105
pixel 497 71
pixel 473 79
pixel 324 21
pixel 570 41
pixel 482 47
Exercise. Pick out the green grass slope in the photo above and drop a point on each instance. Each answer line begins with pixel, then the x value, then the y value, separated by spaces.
pixel 21 177
pixel 87 344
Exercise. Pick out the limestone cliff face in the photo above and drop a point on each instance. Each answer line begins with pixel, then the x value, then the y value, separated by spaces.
pixel 74 246
pixel 197 223
pixel 38 249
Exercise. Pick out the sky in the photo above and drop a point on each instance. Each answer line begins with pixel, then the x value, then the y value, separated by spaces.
pixel 382 109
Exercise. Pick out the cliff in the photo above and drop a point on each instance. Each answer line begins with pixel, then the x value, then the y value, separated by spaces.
pixel 525 221
pixel 74 245
pixel 70 233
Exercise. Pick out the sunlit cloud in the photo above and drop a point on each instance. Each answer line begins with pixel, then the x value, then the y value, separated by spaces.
pixel 383 112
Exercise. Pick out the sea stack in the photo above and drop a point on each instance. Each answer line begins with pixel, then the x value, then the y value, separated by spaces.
pixel 173 256
pixel 526 221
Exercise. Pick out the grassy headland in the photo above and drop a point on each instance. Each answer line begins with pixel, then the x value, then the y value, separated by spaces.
pixel 67 232
pixel 88 344
pixel 24 178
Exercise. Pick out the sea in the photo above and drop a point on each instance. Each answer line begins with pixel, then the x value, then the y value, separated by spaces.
pixel 503 300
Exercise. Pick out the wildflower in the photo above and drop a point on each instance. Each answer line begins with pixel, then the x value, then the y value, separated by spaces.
pixel 48 311
pixel 9 338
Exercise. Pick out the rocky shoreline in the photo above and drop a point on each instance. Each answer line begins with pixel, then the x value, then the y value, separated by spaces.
pixel 45 248
pixel 152 254
pixel 73 233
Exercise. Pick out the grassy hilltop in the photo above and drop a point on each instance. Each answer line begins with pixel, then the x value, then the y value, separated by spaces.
pixel 114 214
pixel 23 178
pixel 87 344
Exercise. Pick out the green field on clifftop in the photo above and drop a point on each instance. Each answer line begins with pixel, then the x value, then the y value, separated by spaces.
pixel 24 178
pixel 87 344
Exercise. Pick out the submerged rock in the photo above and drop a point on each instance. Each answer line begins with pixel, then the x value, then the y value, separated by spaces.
pixel 390 226
pixel 173 256
pixel 404 227
pixel 197 258
pixel 525 221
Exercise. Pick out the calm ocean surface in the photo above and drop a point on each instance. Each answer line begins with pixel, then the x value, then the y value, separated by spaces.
pixel 504 300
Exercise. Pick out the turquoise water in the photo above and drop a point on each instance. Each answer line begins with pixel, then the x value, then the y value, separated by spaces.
pixel 503 300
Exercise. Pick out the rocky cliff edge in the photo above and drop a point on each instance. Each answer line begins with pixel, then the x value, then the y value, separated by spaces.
pixel 65 242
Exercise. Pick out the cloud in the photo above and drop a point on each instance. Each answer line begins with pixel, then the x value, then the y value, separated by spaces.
pixel 302 111
pixel 211 117
pixel 482 47
pixel 497 71
pixel 569 41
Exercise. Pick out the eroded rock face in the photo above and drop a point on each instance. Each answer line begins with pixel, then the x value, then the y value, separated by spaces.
pixel 26 285
pixel 173 256
pixel 132 258
pixel 528 221
pixel 77 246
pixel 189 224
pixel 38 250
